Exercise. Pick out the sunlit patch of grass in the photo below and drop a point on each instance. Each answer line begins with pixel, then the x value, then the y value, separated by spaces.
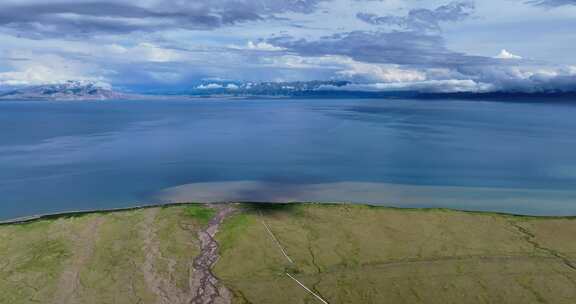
pixel 232 228
pixel 200 212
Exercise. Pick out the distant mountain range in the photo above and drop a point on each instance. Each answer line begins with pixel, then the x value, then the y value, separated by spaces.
pixel 70 90
pixel 85 90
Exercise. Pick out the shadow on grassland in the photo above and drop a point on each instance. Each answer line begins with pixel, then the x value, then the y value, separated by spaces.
pixel 272 208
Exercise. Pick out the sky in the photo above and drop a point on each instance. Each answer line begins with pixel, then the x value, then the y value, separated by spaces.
pixel 423 45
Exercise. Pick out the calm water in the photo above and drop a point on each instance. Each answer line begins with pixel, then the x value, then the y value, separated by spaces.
pixel 511 157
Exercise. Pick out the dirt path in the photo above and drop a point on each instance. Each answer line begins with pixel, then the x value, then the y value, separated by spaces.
pixel 84 242
pixel 204 285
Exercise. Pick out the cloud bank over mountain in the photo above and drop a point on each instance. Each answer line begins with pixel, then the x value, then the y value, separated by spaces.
pixel 432 46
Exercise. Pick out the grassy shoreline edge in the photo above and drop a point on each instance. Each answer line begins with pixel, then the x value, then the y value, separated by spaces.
pixel 71 214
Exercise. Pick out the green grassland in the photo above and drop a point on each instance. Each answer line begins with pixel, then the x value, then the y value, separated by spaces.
pixel 99 258
pixel 361 254
pixel 344 253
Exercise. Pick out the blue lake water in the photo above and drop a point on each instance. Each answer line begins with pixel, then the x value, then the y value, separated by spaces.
pixel 497 156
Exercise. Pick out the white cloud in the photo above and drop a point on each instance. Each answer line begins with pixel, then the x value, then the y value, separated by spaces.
pixel 215 86
pixel 150 52
pixel 504 54
pixel 141 52
pixel 263 46
pixel 210 86
pixel 257 46
pixel 348 68
pixel 48 69
pixel 115 49
pixel 302 62
pixel 381 72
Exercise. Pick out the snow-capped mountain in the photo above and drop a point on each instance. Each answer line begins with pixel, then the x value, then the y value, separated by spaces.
pixel 70 90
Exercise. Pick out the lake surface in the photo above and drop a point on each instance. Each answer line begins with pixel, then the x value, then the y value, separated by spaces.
pixel 496 156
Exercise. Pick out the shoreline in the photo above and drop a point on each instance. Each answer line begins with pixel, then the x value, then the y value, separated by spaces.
pixel 67 214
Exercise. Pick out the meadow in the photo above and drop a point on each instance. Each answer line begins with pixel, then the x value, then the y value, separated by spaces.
pixel 341 253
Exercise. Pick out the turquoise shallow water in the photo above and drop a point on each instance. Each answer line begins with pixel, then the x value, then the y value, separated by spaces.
pixel 511 157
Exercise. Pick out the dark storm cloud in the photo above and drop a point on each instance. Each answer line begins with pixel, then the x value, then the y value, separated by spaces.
pixel 49 18
pixel 423 19
pixel 417 43
pixel 552 3
pixel 404 48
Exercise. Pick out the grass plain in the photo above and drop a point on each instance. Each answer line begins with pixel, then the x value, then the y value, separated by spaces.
pixel 344 253
pixel 362 254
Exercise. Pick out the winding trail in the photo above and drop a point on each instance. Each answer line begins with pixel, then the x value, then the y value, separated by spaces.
pixel 204 285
